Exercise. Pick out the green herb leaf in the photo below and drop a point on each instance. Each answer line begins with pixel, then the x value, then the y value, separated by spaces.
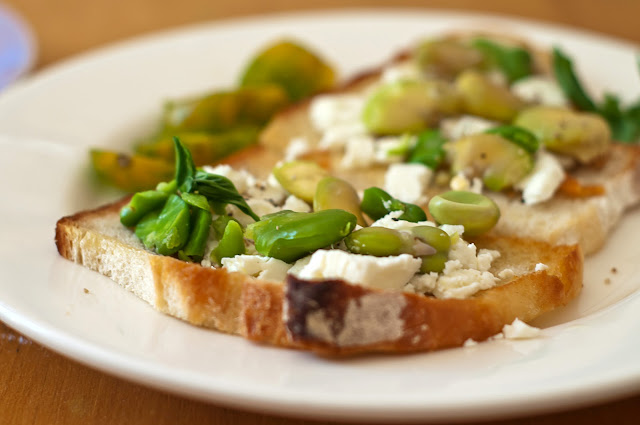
pixel 428 149
pixel 196 200
pixel 220 189
pixel 563 70
pixel 185 167
pixel 514 62
pixel 518 135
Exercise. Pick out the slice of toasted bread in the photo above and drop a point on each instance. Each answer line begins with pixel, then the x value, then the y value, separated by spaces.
pixel 562 220
pixel 321 316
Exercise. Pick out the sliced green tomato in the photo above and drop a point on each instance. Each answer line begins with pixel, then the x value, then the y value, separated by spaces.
pixel 297 70
pixel 131 173
pixel 300 178
pixel 205 148
pixel 224 111
pixel 499 162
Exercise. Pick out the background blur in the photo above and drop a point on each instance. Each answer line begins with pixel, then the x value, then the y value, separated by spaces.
pixel 72 26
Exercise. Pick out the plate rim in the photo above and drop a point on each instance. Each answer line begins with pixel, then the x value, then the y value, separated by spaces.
pixel 39 333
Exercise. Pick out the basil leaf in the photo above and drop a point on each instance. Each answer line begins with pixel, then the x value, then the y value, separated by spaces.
pixel 220 189
pixel 428 150
pixel 514 62
pixel 185 167
pixel 518 135
pixel 563 70
pixel 196 200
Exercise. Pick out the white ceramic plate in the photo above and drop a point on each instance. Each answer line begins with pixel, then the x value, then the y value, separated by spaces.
pixel 589 351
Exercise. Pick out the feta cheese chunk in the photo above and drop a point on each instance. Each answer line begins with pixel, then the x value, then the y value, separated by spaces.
pixel 457 128
pixel 296 148
pixel 390 221
pixel 402 72
pixel 540 90
pixel 393 149
pixel 543 181
pixel 330 111
pixel 520 330
pixel 359 153
pixel 265 268
pixel 408 182
pixel 366 270
pixel 296 204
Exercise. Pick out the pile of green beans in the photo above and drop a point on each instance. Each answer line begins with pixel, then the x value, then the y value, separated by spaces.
pixel 176 217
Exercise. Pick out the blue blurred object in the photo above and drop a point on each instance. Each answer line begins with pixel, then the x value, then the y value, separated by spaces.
pixel 17 47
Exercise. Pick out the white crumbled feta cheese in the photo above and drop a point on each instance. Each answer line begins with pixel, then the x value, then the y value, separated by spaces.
pixel 296 204
pixel 366 270
pixel 520 330
pixel 408 182
pixel 401 72
pixel 262 206
pixel 459 182
pixel 465 273
pixel 453 229
pixel 506 274
pixel 538 89
pixel 265 268
pixel 457 128
pixel 241 179
pixel 299 265
pixel 296 148
pixel 359 153
pixel 330 111
pixel 469 257
pixel 470 343
pixel 541 267
pixel 390 221
pixel 393 149
pixel 457 282
pixel 543 181
pixel 335 138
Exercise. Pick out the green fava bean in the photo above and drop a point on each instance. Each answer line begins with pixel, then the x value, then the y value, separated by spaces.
pixel 335 193
pixel 300 178
pixel 231 243
pixel 377 203
pixel 434 263
pixel 379 242
pixel 482 97
pixel 433 236
pixel 440 241
pixel 200 225
pixel 142 203
pixel 289 236
pixel 477 213
pixel 169 231
pixel 409 106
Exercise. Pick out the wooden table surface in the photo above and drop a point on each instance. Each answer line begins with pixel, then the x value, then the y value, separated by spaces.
pixel 38 386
